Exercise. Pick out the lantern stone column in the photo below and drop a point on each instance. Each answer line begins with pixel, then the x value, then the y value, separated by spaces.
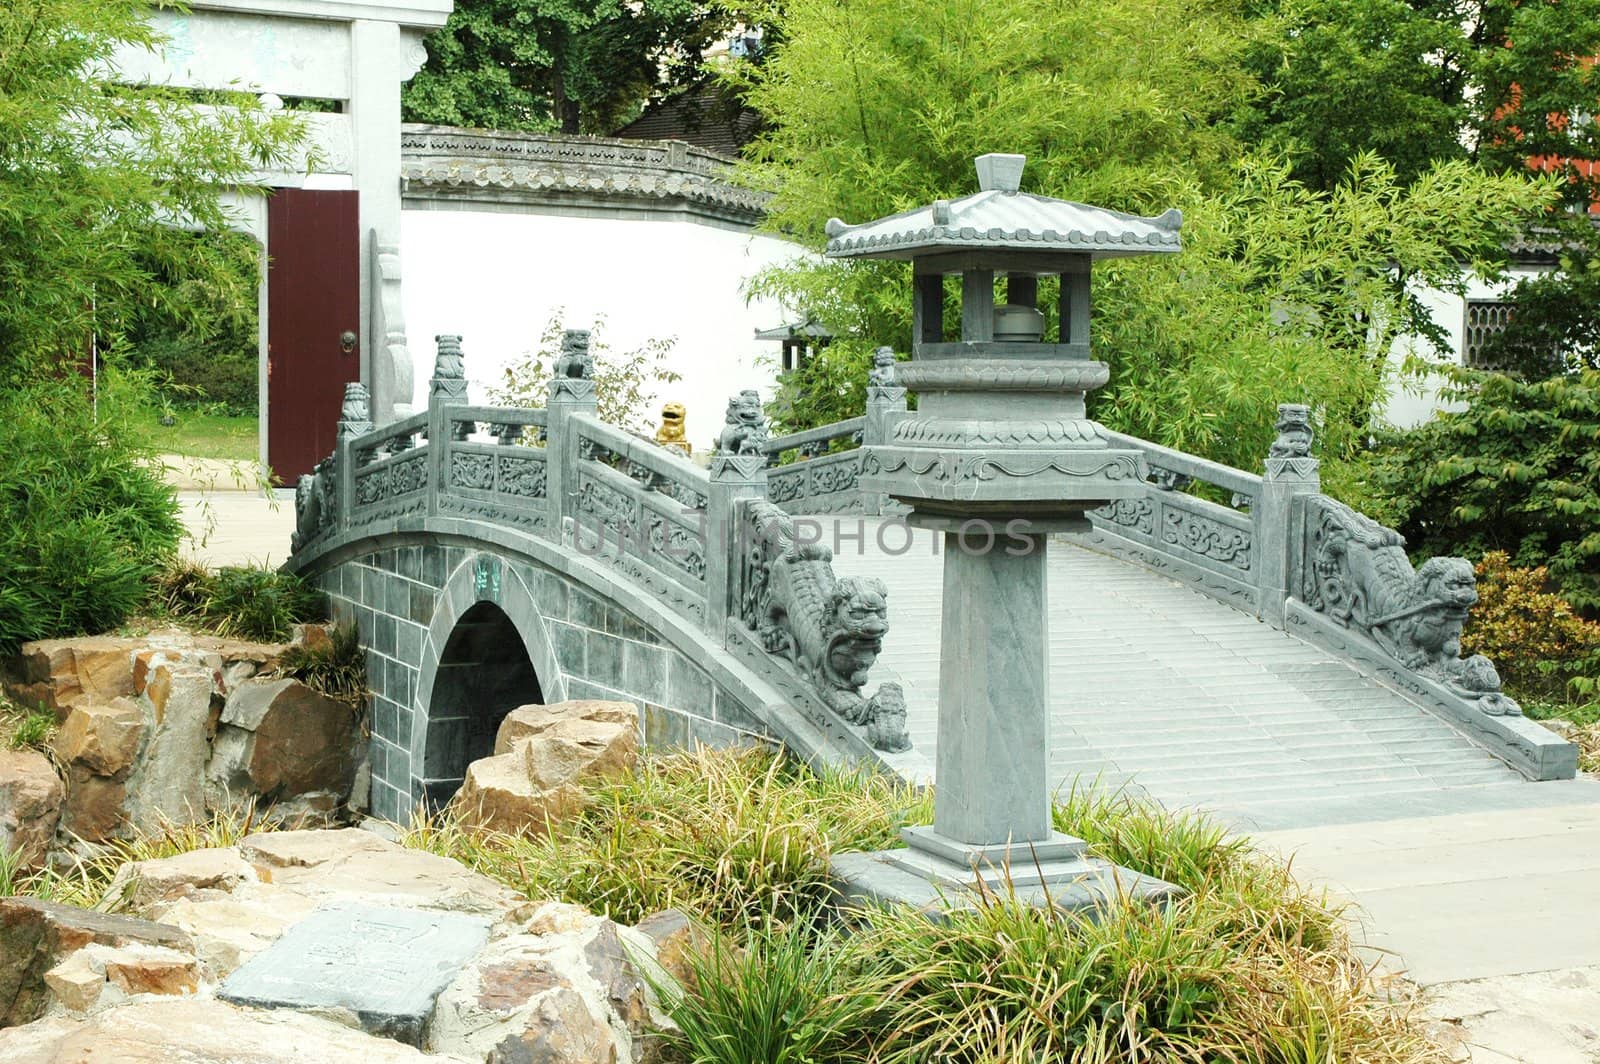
pixel 999 454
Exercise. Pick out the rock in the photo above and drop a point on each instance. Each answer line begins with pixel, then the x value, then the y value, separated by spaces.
pixel 35 936
pixel 75 982
pixel 308 849
pixel 94 804
pixel 141 969
pixel 539 780
pixel 498 794
pixel 103 737
pixel 559 1029
pixel 279 738
pixel 31 797
pixel 611 967
pixel 525 722
pixel 529 998
pixel 167 783
pixel 141 884
pixel 576 750
pixel 316 637
pixel 356 865
pixel 199 1031
pixel 59 672
pixel 228 931
pixel 676 941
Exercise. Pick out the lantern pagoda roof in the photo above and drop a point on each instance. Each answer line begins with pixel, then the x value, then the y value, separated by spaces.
pixel 1000 217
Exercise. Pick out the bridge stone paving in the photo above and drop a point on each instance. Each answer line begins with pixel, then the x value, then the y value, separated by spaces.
pixel 1159 688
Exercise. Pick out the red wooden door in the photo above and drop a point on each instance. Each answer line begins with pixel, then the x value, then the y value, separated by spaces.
pixel 313 296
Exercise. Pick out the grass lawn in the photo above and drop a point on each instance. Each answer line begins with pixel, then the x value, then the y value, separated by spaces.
pixel 202 435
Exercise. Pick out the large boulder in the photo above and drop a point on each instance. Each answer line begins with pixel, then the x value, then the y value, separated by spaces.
pixel 525 722
pixel 167 784
pixel 36 936
pixel 563 992
pixel 280 738
pixel 546 754
pixel 58 673
pixel 94 805
pixel 30 805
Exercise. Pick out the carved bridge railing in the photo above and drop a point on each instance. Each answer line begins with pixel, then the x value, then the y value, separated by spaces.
pixel 720 546
pixel 1204 542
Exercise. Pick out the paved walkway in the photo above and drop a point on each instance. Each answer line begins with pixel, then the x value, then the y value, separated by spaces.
pixel 238 527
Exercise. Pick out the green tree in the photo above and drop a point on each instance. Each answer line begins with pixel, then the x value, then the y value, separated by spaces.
pixel 1286 290
pixel 1284 293
pixel 93 174
pixel 880 105
pixel 1341 78
pixel 1518 470
pixel 1538 86
pixel 568 65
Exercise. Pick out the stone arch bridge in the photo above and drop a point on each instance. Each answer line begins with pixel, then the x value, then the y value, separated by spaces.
pixel 1229 640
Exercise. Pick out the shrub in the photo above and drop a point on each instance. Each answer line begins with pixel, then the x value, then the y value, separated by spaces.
pixel 1542 648
pixel 625 382
pixel 86 522
pixel 243 602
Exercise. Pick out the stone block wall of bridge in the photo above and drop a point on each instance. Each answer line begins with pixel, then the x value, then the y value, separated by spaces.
pixel 411 599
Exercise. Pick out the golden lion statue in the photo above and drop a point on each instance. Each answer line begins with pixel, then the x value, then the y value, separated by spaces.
pixel 670 434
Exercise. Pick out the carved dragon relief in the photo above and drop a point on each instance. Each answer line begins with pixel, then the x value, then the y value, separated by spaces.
pixel 316 503
pixel 831 629
pixel 1357 574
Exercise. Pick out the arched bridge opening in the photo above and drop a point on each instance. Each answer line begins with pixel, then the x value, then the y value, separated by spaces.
pixel 484 673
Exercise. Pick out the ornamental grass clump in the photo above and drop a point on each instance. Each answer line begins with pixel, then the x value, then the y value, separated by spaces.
pixel 738 837
pixel 1248 966
pixel 237 601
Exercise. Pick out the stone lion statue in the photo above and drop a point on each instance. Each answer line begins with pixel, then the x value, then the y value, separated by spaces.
pixel 307 511
pixel 1363 580
pixel 886 720
pixel 831 628
pixel 1294 432
pixel 671 435
pixel 882 372
pixel 574 362
pixel 745 426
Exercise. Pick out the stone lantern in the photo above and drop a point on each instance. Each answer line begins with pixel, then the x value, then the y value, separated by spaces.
pixel 999 454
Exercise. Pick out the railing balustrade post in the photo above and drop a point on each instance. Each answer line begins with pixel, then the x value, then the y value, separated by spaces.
pixel 1290 472
pixel 571 393
pixel 738 471
pixel 355 419
pixel 448 388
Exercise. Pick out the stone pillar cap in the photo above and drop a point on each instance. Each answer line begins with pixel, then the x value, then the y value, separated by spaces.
pixel 998 172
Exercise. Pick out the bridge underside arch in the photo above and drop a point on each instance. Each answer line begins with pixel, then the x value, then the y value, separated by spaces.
pixel 483 673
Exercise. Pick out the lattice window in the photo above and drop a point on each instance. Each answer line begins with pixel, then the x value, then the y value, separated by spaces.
pixel 1486 318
